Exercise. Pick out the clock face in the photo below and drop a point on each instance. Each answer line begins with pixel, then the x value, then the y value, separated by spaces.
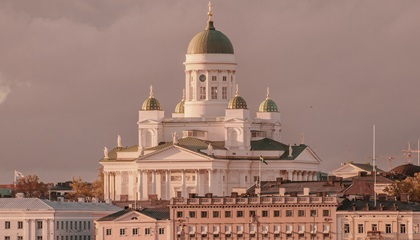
pixel 202 77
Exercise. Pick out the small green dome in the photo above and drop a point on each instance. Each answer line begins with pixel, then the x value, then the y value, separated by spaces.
pixel 180 107
pixel 210 41
pixel 150 104
pixel 268 105
pixel 237 102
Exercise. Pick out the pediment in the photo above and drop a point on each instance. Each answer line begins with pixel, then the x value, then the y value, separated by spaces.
pixel 307 155
pixel 148 121
pixel 134 216
pixel 348 168
pixel 236 120
pixel 175 153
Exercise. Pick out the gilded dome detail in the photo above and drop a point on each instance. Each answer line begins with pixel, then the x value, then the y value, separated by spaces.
pixel 151 103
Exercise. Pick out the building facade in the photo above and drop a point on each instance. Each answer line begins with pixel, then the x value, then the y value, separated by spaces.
pixel 36 219
pixel 275 217
pixel 212 142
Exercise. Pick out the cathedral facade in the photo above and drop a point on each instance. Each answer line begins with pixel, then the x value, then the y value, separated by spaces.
pixel 211 143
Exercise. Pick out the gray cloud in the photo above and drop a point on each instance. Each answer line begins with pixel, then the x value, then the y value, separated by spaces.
pixel 334 68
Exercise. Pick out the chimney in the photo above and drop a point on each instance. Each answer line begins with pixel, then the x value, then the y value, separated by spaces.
pixel 234 194
pixel 404 197
pixel 282 191
pixel 306 191
pixel 362 174
pixel 279 180
pixel 60 199
pixel 331 180
pixel 353 207
pixel 80 199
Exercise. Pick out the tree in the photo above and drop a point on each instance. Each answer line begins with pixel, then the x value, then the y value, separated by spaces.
pixel 410 186
pixel 98 185
pixel 32 187
pixel 84 189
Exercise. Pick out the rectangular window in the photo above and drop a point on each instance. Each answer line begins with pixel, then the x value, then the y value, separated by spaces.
pixel 246 178
pixel 214 78
pixel 108 232
pixel 216 214
pixel 402 228
pixel 374 227
pixel 289 213
pixel 39 238
pixel 313 213
pixel 161 231
pixel 346 228
pixel 7 225
pixel 213 92
pixel 301 213
pixel 228 214
pixel 387 228
pixel 326 213
pixel 360 228
pixel 7 238
pixel 39 224
pixel 264 213
pixel 203 214
pixel 19 238
pixel 224 78
pixel 122 231
pixel 88 224
pixel 224 92
pixel 147 231
pixel 276 213
pixel 239 213
pixel 202 92
pixel 135 231
pixel 252 213
pixel 179 214
pixel 192 214
pixel 20 224
pixel 67 225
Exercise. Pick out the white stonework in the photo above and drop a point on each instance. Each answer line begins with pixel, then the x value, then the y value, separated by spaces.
pixel 157 165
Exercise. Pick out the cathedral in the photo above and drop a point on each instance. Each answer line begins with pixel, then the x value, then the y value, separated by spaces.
pixel 212 143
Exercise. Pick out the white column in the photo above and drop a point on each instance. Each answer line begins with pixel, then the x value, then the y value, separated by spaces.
pixel 106 185
pixel 26 233
pixel 158 184
pixel 210 183
pixel 32 229
pixel 145 185
pixel 168 184
pixel 139 185
pixel 45 229
pixel 131 183
pixel 197 182
pixel 153 190
pixel 184 187
pixel 290 175
pixel 118 186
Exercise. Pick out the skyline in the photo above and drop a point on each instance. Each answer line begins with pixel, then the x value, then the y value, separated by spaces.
pixel 73 75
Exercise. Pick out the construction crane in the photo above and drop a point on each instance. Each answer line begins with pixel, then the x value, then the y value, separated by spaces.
pixel 409 151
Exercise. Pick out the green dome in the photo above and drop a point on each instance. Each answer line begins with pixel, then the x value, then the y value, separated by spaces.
pixel 268 105
pixel 210 41
pixel 150 104
pixel 237 102
pixel 180 107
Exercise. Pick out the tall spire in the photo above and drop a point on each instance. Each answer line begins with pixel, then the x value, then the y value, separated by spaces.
pixel 210 13
pixel 151 91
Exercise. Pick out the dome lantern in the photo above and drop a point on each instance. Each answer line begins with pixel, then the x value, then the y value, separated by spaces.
pixel 268 105
pixel 151 103
pixel 237 102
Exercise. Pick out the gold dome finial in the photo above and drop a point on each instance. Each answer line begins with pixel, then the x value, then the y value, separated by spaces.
pixel 183 94
pixel 151 91
pixel 268 93
pixel 210 13
pixel 237 90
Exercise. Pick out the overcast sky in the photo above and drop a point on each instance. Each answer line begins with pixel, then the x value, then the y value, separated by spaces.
pixel 73 74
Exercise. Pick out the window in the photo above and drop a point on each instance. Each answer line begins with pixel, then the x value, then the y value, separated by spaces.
pixel 202 92
pixel 313 213
pixel 224 78
pixel 39 238
pixel 88 224
pixel 7 225
pixel 216 214
pixel 39 224
pixel 192 214
pixel 203 214
pixel 228 214
pixel 239 213
pixel 252 213
pixel 19 238
pixel 374 227
pixel 122 231
pixel 289 213
pixel 388 228
pixel 246 178
pixel 224 92
pixel 360 228
pixel 255 178
pixel 161 231
pixel 276 213
pixel 108 231
pixel 179 214
pixel 213 92
pixel 214 78
pixel 147 231
pixel 301 213
pixel 325 213
pixel 346 228
pixel 7 238
pixel 135 231
pixel 264 213
pixel 402 228
pixel 71 224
